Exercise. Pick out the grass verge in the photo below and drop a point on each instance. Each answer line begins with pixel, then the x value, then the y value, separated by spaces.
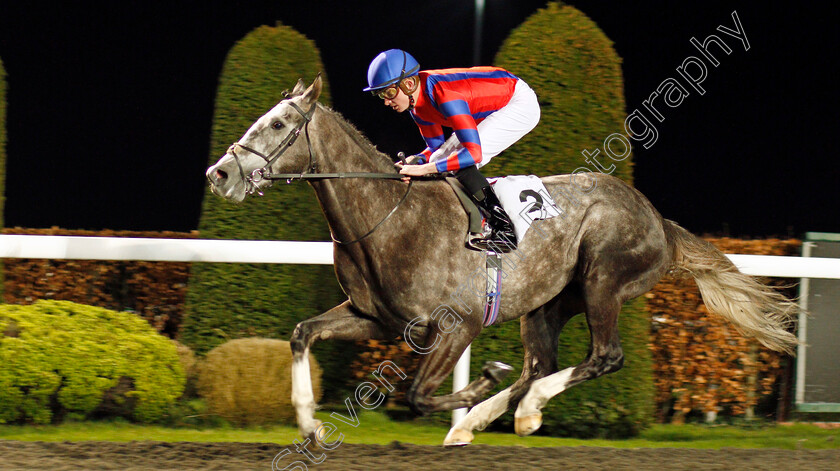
pixel 376 428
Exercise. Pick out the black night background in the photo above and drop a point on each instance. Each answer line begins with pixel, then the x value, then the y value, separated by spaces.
pixel 110 103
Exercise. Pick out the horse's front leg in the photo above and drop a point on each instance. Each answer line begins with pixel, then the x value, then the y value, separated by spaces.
pixel 339 323
pixel 442 350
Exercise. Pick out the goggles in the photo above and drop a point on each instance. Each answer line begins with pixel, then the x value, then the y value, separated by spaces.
pixel 387 93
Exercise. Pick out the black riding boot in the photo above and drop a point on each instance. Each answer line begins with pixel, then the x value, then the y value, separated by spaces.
pixel 502 237
pixel 497 233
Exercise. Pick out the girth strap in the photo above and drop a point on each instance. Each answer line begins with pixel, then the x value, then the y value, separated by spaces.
pixel 493 287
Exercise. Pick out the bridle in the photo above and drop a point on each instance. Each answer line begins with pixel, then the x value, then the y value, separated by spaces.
pixel 264 173
pixel 308 172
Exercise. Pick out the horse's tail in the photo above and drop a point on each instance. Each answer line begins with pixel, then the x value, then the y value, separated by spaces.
pixel 755 309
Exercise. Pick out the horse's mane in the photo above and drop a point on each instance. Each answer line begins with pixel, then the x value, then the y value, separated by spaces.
pixel 377 156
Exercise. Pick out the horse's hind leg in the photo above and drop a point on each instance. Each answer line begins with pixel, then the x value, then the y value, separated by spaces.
pixel 539 330
pixel 339 323
pixel 605 356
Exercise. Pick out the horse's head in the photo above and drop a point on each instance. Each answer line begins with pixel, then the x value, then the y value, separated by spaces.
pixel 269 146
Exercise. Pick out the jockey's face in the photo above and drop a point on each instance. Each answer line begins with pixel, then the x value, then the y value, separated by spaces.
pixel 399 103
pixel 395 96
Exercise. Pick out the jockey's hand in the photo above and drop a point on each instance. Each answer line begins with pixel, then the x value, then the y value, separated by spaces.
pixel 410 160
pixel 414 159
pixel 417 170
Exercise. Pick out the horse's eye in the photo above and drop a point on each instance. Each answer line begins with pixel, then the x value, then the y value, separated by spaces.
pixel 277 125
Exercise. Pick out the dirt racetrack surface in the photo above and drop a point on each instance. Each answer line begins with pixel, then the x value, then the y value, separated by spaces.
pixel 76 456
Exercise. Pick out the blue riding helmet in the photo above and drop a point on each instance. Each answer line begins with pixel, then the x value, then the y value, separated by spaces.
pixel 390 67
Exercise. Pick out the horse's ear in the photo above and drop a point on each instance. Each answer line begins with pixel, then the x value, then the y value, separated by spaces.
pixel 314 91
pixel 299 88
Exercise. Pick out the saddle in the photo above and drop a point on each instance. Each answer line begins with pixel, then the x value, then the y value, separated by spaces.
pixel 523 197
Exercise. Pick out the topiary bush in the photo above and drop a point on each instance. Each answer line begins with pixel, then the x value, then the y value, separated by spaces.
pixel 249 381
pixel 572 66
pixel 574 70
pixel 63 358
pixel 189 363
pixel 229 301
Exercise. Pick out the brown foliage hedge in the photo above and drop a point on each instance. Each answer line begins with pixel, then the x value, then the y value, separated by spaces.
pixel 154 290
pixel 374 352
pixel 701 364
pixel 249 381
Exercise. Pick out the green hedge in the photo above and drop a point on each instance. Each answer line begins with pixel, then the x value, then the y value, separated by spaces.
pixel 62 358
pixel 571 65
pixel 229 301
pixel 576 74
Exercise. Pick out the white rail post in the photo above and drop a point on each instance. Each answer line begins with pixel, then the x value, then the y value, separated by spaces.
pixel 460 380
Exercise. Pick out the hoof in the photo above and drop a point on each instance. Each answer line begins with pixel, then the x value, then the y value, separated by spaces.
pixel 525 426
pixel 316 435
pixel 458 437
pixel 496 371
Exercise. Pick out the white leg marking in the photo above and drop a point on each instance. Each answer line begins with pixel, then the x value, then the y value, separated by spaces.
pixel 541 391
pixel 486 411
pixel 302 397
pixel 477 418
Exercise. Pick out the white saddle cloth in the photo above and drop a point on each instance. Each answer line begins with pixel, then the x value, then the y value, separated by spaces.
pixel 525 199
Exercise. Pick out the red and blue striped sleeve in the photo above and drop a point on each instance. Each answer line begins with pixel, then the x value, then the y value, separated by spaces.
pixel 457 111
pixel 433 135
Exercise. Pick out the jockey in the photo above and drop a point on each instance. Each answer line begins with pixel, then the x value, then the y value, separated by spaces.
pixel 487 108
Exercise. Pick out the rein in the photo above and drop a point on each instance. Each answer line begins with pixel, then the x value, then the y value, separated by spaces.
pixel 308 173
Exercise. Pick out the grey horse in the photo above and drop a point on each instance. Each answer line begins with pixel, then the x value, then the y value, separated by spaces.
pixel 399 256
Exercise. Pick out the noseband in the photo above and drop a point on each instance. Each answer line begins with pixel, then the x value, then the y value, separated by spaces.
pixel 308 173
